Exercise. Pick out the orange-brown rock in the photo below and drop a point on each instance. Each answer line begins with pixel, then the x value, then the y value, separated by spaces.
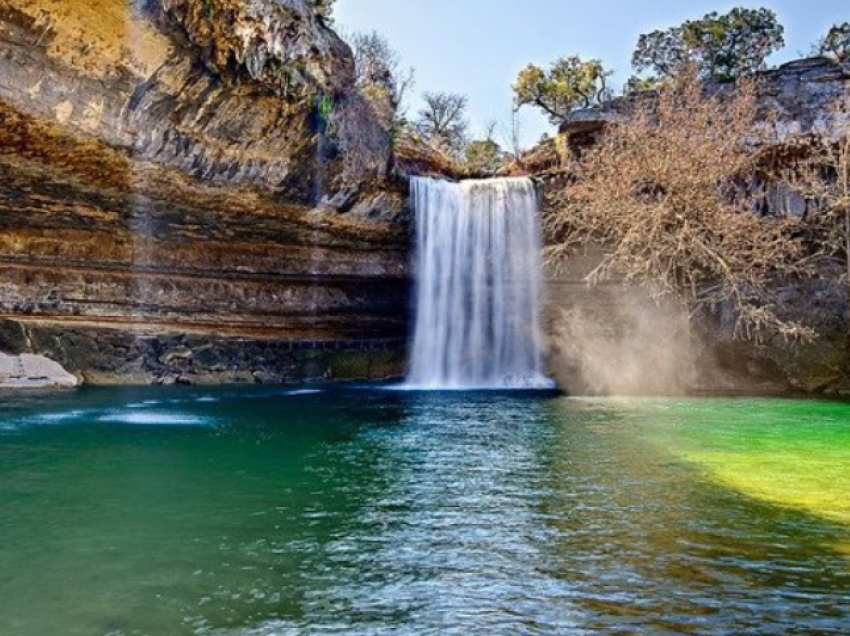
pixel 161 173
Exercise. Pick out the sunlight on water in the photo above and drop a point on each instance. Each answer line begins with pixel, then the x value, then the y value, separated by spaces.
pixel 794 454
pixel 151 418
pixel 270 512
pixel 818 484
pixel 61 417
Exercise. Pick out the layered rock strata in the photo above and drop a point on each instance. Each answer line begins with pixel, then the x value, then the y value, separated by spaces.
pixel 160 169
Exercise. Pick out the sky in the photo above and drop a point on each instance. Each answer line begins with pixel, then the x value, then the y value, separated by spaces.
pixel 477 47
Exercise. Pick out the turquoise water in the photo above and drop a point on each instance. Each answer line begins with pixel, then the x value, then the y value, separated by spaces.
pixel 272 512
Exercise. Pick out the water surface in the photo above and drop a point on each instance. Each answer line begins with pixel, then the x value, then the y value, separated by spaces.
pixel 264 512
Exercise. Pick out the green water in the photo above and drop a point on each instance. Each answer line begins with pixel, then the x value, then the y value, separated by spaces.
pixel 256 513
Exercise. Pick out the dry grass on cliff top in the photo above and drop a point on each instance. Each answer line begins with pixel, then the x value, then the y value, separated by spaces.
pixel 95 36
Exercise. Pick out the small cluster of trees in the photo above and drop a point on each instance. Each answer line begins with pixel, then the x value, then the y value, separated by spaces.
pixel 717 47
pixel 443 124
pixel 369 122
pixel 721 47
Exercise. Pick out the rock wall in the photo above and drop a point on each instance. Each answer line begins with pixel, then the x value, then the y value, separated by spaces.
pixel 161 168
pixel 616 339
pixel 802 95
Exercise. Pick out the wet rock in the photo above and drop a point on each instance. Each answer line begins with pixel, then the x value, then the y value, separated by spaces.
pixel 13 337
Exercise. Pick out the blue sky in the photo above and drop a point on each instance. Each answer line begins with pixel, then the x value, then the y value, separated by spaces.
pixel 477 47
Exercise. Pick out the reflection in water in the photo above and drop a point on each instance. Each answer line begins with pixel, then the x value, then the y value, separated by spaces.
pixel 457 532
pixel 365 512
pixel 652 544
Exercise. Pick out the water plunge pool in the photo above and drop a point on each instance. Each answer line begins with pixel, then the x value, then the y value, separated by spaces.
pixel 361 511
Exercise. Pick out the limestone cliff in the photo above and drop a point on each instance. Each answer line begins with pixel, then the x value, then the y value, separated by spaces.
pixel 160 166
pixel 614 339
pixel 800 94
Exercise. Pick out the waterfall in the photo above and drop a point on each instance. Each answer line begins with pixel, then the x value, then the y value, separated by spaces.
pixel 478 286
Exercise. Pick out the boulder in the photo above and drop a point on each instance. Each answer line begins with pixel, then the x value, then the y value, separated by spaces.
pixel 28 371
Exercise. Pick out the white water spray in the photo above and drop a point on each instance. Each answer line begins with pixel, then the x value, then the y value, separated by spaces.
pixel 478 286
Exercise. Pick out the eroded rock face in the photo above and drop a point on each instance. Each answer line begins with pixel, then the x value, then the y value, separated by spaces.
pixel 170 86
pixel 157 181
pixel 281 43
pixel 802 95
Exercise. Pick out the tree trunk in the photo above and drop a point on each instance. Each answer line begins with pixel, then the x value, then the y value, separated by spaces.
pixel 847 296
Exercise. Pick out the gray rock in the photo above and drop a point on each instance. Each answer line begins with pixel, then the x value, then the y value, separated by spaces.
pixel 802 94
pixel 33 372
pixel 383 207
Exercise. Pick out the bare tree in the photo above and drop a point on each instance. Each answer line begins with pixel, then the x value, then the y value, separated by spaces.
pixel 512 134
pixel 378 65
pixel 368 121
pixel 663 193
pixel 442 121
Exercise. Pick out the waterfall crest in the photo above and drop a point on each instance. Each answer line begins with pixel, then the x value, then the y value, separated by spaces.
pixel 478 285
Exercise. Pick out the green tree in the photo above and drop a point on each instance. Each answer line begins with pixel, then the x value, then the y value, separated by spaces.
pixel 836 43
pixel 638 84
pixel 570 83
pixel 484 156
pixel 720 47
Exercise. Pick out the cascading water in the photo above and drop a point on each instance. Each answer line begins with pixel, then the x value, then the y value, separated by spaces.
pixel 478 286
